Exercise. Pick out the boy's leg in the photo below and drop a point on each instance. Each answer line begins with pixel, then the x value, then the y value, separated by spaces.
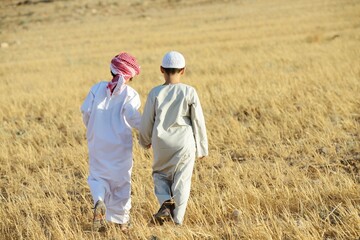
pixel 97 188
pixel 181 187
pixel 163 194
pixel 162 187
pixel 119 204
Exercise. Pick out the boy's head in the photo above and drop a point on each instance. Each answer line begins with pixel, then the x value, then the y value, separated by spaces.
pixel 124 64
pixel 173 62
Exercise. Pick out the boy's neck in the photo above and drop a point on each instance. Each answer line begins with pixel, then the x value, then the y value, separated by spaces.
pixel 172 79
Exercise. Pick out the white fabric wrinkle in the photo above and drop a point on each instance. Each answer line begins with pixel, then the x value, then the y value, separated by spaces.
pixel 146 126
pixel 131 113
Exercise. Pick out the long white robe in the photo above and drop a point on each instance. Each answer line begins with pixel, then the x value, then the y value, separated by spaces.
pixel 109 120
pixel 173 122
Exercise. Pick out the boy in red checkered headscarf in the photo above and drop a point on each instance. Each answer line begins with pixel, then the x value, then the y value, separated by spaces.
pixel 110 111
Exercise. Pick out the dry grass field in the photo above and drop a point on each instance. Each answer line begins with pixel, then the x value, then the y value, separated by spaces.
pixel 279 83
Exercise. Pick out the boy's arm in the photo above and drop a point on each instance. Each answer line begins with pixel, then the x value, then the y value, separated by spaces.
pixel 147 123
pixel 131 112
pixel 199 128
pixel 86 107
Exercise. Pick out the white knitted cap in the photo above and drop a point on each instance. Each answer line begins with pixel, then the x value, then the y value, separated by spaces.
pixel 173 59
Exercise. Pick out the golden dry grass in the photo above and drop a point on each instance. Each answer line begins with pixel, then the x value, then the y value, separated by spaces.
pixel 279 83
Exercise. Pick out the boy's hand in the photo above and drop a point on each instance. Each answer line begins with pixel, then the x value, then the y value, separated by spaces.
pixel 148 146
pixel 201 157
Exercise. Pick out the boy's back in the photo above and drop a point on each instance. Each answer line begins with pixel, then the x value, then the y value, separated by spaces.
pixel 172 108
pixel 108 131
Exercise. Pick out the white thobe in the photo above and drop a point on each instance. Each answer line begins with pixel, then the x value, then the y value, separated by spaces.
pixel 173 123
pixel 109 120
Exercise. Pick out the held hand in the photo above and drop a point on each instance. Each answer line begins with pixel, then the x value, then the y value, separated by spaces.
pixel 148 146
pixel 202 157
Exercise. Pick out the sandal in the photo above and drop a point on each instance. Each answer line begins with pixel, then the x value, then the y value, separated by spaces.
pixel 99 216
pixel 165 213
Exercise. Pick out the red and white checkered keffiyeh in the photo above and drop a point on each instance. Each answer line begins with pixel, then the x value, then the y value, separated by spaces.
pixel 123 66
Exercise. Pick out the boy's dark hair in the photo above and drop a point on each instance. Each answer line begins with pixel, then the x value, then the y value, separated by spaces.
pixel 171 71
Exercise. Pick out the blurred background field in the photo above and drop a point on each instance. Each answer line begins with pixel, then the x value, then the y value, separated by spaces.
pixel 279 83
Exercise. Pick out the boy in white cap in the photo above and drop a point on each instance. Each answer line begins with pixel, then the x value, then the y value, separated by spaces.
pixel 173 124
pixel 109 112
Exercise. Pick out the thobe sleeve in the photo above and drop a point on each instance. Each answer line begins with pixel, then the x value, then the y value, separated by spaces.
pixel 131 112
pixel 86 107
pixel 199 128
pixel 147 123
